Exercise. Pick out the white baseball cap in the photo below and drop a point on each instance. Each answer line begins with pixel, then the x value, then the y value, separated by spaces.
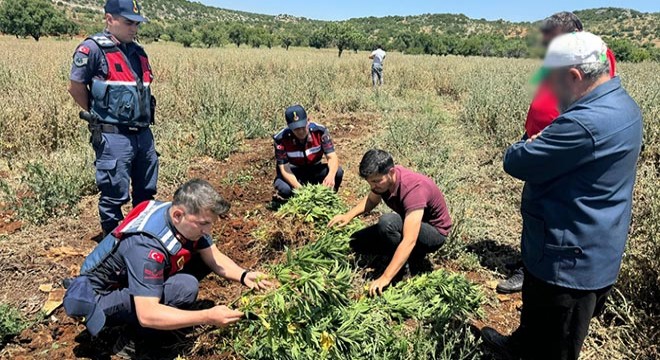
pixel 573 49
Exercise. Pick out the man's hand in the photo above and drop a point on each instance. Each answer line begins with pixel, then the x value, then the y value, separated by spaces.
pixel 534 137
pixel 377 287
pixel 329 181
pixel 223 316
pixel 257 281
pixel 340 220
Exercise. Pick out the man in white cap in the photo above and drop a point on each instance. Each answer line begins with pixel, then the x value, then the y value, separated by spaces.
pixel 579 174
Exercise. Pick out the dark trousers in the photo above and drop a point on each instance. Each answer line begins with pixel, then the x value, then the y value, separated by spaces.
pixel 555 320
pixel 124 161
pixel 180 291
pixel 308 175
pixel 384 237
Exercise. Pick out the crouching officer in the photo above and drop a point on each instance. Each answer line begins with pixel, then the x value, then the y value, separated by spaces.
pixel 299 150
pixel 145 273
pixel 111 81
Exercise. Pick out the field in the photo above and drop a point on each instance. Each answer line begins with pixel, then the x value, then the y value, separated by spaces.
pixel 448 117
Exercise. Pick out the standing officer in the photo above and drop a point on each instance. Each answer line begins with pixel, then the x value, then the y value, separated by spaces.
pixel 299 150
pixel 110 80
pixel 145 273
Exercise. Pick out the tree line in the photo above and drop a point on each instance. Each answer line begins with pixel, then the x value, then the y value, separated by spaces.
pixel 37 18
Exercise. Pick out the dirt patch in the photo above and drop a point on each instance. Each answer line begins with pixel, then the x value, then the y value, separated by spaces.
pixel 8 224
pixel 245 180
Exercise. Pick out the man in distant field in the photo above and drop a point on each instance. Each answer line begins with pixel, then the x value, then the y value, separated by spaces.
pixel 299 152
pixel 378 56
pixel 419 225
pixel 145 274
pixel 544 109
pixel 111 80
pixel 579 174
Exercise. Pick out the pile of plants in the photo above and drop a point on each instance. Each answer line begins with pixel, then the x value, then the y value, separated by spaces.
pixel 321 309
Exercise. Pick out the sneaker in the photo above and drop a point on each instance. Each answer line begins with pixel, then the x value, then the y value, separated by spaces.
pixel 500 344
pixel 513 284
pixel 124 348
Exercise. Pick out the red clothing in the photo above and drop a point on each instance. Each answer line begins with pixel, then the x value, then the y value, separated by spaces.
pixel 544 108
pixel 415 191
pixel 289 150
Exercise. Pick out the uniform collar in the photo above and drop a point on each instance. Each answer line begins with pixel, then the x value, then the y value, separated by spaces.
pixel 111 37
pixel 179 237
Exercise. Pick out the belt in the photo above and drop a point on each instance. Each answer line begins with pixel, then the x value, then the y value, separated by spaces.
pixel 121 129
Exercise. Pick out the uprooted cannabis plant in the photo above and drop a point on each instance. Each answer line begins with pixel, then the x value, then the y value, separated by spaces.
pixel 319 312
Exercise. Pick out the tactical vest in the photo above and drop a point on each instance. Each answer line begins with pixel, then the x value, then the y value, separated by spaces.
pixel 122 98
pixel 148 218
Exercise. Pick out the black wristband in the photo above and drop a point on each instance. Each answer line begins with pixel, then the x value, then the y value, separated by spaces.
pixel 243 275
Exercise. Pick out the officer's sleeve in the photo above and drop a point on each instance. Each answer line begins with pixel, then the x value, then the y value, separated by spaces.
pixel 563 146
pixel 326 142
pixel 145 266
pixel 280 153
pixel 86 62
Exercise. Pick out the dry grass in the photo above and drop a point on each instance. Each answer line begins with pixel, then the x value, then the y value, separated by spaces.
pixel 449 117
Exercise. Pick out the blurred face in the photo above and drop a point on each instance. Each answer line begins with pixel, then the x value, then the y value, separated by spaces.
pixel 382 184
pixel 548 36
pixel 123 29
pixel 192 226
pixel 566 83
pixel 301 133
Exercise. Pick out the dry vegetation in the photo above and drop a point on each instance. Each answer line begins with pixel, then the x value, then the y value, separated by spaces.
pixel 449 117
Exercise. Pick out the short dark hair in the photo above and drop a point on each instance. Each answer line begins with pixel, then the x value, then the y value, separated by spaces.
pixel 564 21
pixel 198 195
pixel 376 162
pixel 379 46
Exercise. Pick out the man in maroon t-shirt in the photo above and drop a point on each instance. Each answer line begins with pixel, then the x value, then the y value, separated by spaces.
pixel 420 222
pixel 544 109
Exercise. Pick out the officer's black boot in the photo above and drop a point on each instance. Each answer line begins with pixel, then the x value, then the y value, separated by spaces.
pixel 502 345
pixel 513 284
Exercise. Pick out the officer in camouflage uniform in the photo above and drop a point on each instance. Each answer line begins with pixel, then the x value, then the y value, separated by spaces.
pixel 110 80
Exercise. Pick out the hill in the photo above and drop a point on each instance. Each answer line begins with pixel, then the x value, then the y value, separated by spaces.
pixel 632 25
pixel 632 34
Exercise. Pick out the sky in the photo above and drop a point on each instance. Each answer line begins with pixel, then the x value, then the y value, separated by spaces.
pixel 518 10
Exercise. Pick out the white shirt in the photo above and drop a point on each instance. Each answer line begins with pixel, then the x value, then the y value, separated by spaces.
pixel 379 56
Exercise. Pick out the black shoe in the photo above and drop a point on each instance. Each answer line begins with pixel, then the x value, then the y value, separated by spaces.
pixel 500 344
pixel 513 284
pixel 124 348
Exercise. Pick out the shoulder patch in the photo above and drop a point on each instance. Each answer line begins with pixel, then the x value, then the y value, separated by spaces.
pixel 156 256
pixel 153 273
pixel 83 50
pixel 81 61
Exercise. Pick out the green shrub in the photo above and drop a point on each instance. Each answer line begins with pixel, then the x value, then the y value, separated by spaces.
pixel 11 322
pixel 49 189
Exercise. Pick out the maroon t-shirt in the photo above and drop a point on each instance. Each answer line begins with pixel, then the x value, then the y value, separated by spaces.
pixel 414 191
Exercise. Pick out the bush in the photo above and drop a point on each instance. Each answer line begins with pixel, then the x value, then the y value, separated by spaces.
pixel 48 190
pixel 11 322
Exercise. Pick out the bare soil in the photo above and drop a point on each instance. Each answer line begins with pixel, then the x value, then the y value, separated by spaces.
pixel 46 255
